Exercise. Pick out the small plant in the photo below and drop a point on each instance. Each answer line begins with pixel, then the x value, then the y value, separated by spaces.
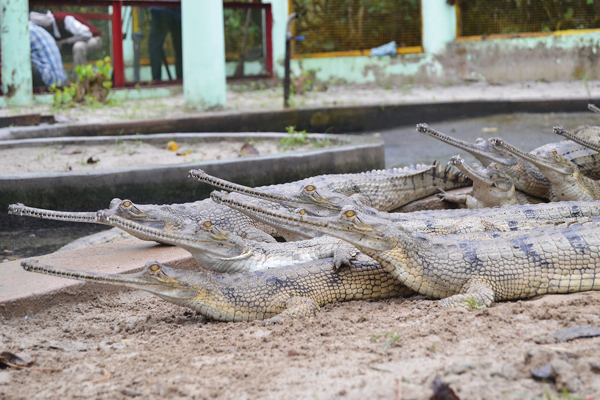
pixel 83 160
pixel 294 138
pixel 587 86
pixel 93 86
pixel 393 338
pixel 473 303
pixel 325 142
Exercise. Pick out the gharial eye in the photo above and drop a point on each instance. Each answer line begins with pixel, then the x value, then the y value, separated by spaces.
pixel 207 224
pixel 154 268
pixel 126 204
pixel 310 188
pixel 302 212
pixel 349 213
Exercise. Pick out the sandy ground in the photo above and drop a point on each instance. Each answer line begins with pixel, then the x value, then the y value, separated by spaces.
pixel 128 154
pixel 113 344
pixel 262 95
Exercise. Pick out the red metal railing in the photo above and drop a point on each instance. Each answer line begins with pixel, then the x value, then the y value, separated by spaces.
pixel 117 33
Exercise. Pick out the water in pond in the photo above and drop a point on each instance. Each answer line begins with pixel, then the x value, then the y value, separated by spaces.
pixel 403 146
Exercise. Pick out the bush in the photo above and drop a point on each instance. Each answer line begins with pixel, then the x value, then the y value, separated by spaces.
pixel 93 85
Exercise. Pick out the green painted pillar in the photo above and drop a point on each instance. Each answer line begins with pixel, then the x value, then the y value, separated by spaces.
pixel 16 53
pixel 439 25
pixel 280 11
pixel 204 84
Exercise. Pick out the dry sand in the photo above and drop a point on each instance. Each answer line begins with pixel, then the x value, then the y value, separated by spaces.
pixel 128 154
pixel 112 344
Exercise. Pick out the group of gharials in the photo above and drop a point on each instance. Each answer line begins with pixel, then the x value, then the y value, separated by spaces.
pixel 530 225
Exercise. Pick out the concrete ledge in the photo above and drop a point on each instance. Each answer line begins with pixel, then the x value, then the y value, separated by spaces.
pixel 93 190
pixel 322 119
pixel 22 289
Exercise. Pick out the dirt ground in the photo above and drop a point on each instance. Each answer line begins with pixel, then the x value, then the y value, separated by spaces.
pixel 112 344
pixel 130 153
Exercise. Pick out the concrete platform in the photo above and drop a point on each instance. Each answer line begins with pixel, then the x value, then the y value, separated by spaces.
pixel 18 285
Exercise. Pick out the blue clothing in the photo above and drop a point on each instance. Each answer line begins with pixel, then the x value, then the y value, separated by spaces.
pixel 46 56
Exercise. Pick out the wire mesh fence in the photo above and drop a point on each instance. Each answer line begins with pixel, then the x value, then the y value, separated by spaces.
pixel 244 37
pixel 505 17
pixel 240 23
pixel 342 26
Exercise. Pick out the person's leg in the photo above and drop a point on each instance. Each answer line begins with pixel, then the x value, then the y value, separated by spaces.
pixel 94 44
pixel 176 38
pixel 36 77
pixel 158 33
pixel 79 53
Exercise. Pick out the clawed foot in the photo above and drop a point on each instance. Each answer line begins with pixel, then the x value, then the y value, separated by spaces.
pixel 343 257
pixel 442 194
pixel 272 321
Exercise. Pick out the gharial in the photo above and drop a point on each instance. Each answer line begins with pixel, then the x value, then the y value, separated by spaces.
pixel 174 217
pixel 558 259
pixel 524 175
pixel 440 222
pixel 319 201
pixel 273 295
pixel 385 189
pixel 566 179
pixel 491 187
pixel 226 252
pixel 223 251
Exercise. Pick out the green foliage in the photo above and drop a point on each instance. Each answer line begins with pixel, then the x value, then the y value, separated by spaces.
pixel 487 17
pixel 473 303
pixel 392 337
pixel 565 395
pixel 93 86
pixel 355 24
pixel 235 24
pixel 294 138
pixel 587 86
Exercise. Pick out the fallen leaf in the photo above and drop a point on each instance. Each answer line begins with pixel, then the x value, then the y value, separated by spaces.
pixel 442 391
pixel 576 332
pixel 172 146
pixel 490 130
pixel 8 359
pixel 248 150
pixel 8 251
pixel 185 153
pixel 105 377
pixel 92 160
pixel 543 373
